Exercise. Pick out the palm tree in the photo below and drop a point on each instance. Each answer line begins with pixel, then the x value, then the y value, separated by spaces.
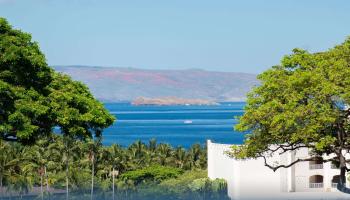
pixel 8 161
pixel 38 157
pixel 194 156
pixel 20 165
pixel 152 151
pixel 152 145
pixel 164 153
pixel 92 147
pixel 126 186
pixel 179 157
pixel 65 150
pixel 20 174
pixel 139 149
pixel 138 154
pixel 116 158
pixel 21 182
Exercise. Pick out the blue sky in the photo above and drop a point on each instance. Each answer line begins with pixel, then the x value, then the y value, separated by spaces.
pixel 224 35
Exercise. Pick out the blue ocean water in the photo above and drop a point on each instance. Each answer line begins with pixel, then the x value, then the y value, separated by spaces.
pixel 176 125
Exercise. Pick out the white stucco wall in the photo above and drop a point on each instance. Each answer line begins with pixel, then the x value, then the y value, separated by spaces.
pixel 250 179
pixel 220 165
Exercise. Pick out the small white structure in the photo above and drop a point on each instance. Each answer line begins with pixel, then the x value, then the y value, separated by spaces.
pixel 250 179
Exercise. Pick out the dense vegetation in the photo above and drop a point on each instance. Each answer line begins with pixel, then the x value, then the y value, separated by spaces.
pixel 58 164
pixel 303 102
pixel 34 98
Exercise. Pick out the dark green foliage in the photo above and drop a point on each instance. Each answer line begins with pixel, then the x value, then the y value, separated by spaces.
pixel 74 108
pixel 22 63
pixel 303 102
pixel 52 161
pixel 34 98
pixel 24 76
pixel 192 185
pixel 154 173
pixel 195 189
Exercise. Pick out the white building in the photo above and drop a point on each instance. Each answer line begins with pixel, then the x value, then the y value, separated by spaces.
pixel 250 179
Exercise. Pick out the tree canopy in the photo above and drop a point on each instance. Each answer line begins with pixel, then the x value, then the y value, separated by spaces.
pixel 83 166
pixel 301 103
pixel 34 98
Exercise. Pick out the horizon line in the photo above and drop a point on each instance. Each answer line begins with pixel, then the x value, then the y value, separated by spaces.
pixel 153 69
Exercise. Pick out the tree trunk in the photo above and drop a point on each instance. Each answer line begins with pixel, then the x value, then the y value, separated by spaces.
pixel 92 180
pixel 41 187
pixel 47 180
pixel 113 182
pixel 342 177
pixel 67 181
pixel 342 181
pixel 1 185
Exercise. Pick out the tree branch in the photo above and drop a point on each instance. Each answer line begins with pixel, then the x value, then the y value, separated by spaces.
pixel 274 168
pixel 289 147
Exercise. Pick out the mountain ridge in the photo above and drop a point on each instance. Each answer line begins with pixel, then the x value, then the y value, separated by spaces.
pixel 115 84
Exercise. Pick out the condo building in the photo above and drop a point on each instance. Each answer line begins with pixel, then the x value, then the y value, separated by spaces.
pixel 251 179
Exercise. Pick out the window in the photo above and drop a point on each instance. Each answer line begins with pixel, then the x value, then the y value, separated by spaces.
pixel 316 181
pixel 335 181
pixel 316 164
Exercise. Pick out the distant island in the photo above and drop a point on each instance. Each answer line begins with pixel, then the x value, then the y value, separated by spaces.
pixel 171 101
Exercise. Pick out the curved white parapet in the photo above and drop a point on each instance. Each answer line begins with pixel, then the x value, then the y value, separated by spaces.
pixel 220 165
pixel 250 179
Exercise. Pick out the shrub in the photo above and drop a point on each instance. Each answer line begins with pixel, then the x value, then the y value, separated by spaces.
pixel 153 173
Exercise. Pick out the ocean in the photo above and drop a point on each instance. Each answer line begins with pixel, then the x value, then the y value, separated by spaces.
pixel 175 125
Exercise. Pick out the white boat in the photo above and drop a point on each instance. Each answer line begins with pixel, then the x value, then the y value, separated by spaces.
pixel 188 122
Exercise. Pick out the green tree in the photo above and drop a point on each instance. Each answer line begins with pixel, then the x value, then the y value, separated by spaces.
pixel 152 153
pixel 164 154
pixel 67 163
pixel 34 98
pixel 24 77
pixel 154 173
pixel 20 177
pixel 303 102
pixel 152 145
pixel 65 151
pixel 196 157
pixel 138 154
pixel 117 160
pixel 9 160
pixel 75 110
pixel 22 181
pixel 179 157
pixel 92 147
pixel 180 184
pixel 38 157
